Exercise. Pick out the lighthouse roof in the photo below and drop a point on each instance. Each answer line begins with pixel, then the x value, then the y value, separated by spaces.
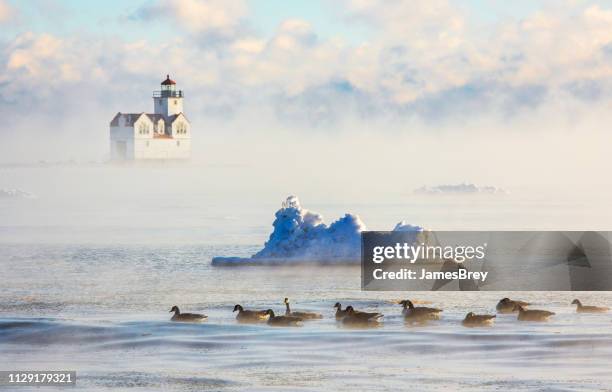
pixel 172 118
pixel 168 81
pixel 155 117
pixel 130 119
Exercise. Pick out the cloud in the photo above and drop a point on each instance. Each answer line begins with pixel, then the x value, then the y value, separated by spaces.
pixel 434 24
pixel 211 19
pixel 37 56
pixel 7 12
pixel 425 60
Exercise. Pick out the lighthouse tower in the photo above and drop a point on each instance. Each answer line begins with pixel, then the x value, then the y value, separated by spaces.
pixel 163 134
pixel 168 101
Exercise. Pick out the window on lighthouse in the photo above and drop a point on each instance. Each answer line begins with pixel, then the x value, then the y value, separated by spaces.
pixel 181 128
pixel 143 129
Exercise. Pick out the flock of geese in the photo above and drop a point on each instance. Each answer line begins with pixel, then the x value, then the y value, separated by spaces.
pixel 412 314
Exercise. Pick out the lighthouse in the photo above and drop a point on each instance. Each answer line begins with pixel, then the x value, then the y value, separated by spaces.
pixel 168 101
pixel 164 134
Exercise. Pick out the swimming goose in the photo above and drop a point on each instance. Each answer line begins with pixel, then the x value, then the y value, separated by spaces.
pixel 506 305
pixel 186 317
pixel 340 314
pixel 532 314
pixel 282 321
pixel 478 320
pixel 250 316
pixel 356 317
pixel 588 309
pixel 419 313
pixel 302 315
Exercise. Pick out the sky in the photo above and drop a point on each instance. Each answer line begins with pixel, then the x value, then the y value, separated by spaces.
pixel 351 85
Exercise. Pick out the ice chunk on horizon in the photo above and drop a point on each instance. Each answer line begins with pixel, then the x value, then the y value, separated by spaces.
pixel 459 189
pixel 301 236
pixel 403 226
pixel 15 194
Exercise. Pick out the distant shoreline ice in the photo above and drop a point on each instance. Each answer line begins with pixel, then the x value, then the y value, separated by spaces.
pixel 15 194
pixel 458 189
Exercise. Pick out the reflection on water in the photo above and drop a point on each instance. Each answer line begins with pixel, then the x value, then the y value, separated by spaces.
pixel 103 311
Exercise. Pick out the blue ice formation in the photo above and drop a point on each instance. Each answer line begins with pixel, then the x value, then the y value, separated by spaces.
pixel 302 236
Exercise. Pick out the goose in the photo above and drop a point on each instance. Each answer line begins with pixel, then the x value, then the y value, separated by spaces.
pixel 186 317
pixel 507 305
pixel 419 313
pixel 356 317
pixel 532 314
pixel 282 321
pixel 588 309
pixel 478 320
pixel 250 316
pixel 302 315
pixel 340 314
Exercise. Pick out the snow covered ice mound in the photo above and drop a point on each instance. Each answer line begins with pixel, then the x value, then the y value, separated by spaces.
pixel 301 236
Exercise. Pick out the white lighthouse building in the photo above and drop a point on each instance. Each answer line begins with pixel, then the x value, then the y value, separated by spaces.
pixel 163 134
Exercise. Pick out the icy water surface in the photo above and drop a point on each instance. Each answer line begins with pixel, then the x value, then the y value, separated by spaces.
pixel 77 292
pixel 103 311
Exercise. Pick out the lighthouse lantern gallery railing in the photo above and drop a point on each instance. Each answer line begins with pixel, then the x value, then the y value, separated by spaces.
pixel 168 93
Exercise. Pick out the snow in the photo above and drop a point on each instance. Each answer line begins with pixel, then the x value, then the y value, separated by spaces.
pixel 403 226
pixel 301 235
